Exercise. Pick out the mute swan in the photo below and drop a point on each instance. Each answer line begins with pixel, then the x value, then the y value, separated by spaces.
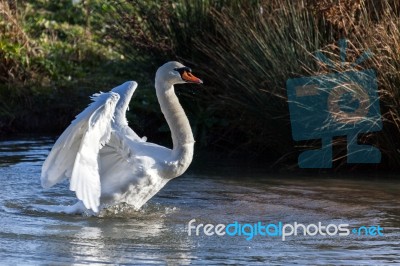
pixel 106 162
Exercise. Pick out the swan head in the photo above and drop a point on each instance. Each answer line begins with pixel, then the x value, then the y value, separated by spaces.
pixel 176 73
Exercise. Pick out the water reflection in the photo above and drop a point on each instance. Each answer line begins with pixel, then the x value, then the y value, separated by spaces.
pixel 142 239
pixel 88 245
pixel 17 151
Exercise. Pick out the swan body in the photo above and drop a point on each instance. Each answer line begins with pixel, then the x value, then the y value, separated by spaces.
pixel 106 162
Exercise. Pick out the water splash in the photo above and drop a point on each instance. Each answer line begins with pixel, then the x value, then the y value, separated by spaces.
pixel 125 210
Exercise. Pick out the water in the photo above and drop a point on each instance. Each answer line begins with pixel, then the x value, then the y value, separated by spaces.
pixel 158 233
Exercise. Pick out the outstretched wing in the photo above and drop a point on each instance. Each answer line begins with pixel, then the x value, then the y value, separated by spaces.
pixel 75 153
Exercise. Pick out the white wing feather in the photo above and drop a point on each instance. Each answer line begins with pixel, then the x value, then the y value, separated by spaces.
pixel 75 154
pixel 129 169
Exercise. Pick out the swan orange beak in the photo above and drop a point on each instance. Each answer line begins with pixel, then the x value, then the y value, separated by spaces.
pixel 189 77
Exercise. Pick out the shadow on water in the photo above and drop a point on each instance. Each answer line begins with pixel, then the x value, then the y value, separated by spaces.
pixel 19 151
pixel 158 233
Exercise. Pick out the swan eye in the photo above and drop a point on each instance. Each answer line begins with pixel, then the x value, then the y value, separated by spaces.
pixel 183 69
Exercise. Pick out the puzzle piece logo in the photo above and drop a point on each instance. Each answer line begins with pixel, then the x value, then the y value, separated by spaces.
pixel 337 104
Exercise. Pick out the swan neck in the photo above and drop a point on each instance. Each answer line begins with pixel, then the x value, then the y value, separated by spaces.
pixel 181 133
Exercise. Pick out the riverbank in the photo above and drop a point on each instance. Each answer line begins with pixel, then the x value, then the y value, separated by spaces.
pixel 55 55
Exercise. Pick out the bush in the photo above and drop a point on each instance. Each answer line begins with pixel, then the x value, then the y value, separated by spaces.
pixel 53 57
pixel 54 54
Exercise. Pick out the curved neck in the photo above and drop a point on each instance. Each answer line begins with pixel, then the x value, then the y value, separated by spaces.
pixel 182 136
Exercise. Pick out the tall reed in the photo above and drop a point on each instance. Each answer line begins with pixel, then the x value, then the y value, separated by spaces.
pixel 246 50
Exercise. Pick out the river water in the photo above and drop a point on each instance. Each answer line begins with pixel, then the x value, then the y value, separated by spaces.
pixel 158 234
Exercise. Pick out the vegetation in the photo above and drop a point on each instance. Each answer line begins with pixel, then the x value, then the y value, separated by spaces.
pixel 55 54
pixel 50 61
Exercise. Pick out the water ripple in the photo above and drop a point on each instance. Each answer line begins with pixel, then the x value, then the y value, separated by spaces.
pixel 157 234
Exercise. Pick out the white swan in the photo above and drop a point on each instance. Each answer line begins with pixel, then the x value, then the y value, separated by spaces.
pixel 106 161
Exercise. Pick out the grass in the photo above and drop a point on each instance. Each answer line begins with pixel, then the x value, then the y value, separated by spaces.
pixel 52 59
